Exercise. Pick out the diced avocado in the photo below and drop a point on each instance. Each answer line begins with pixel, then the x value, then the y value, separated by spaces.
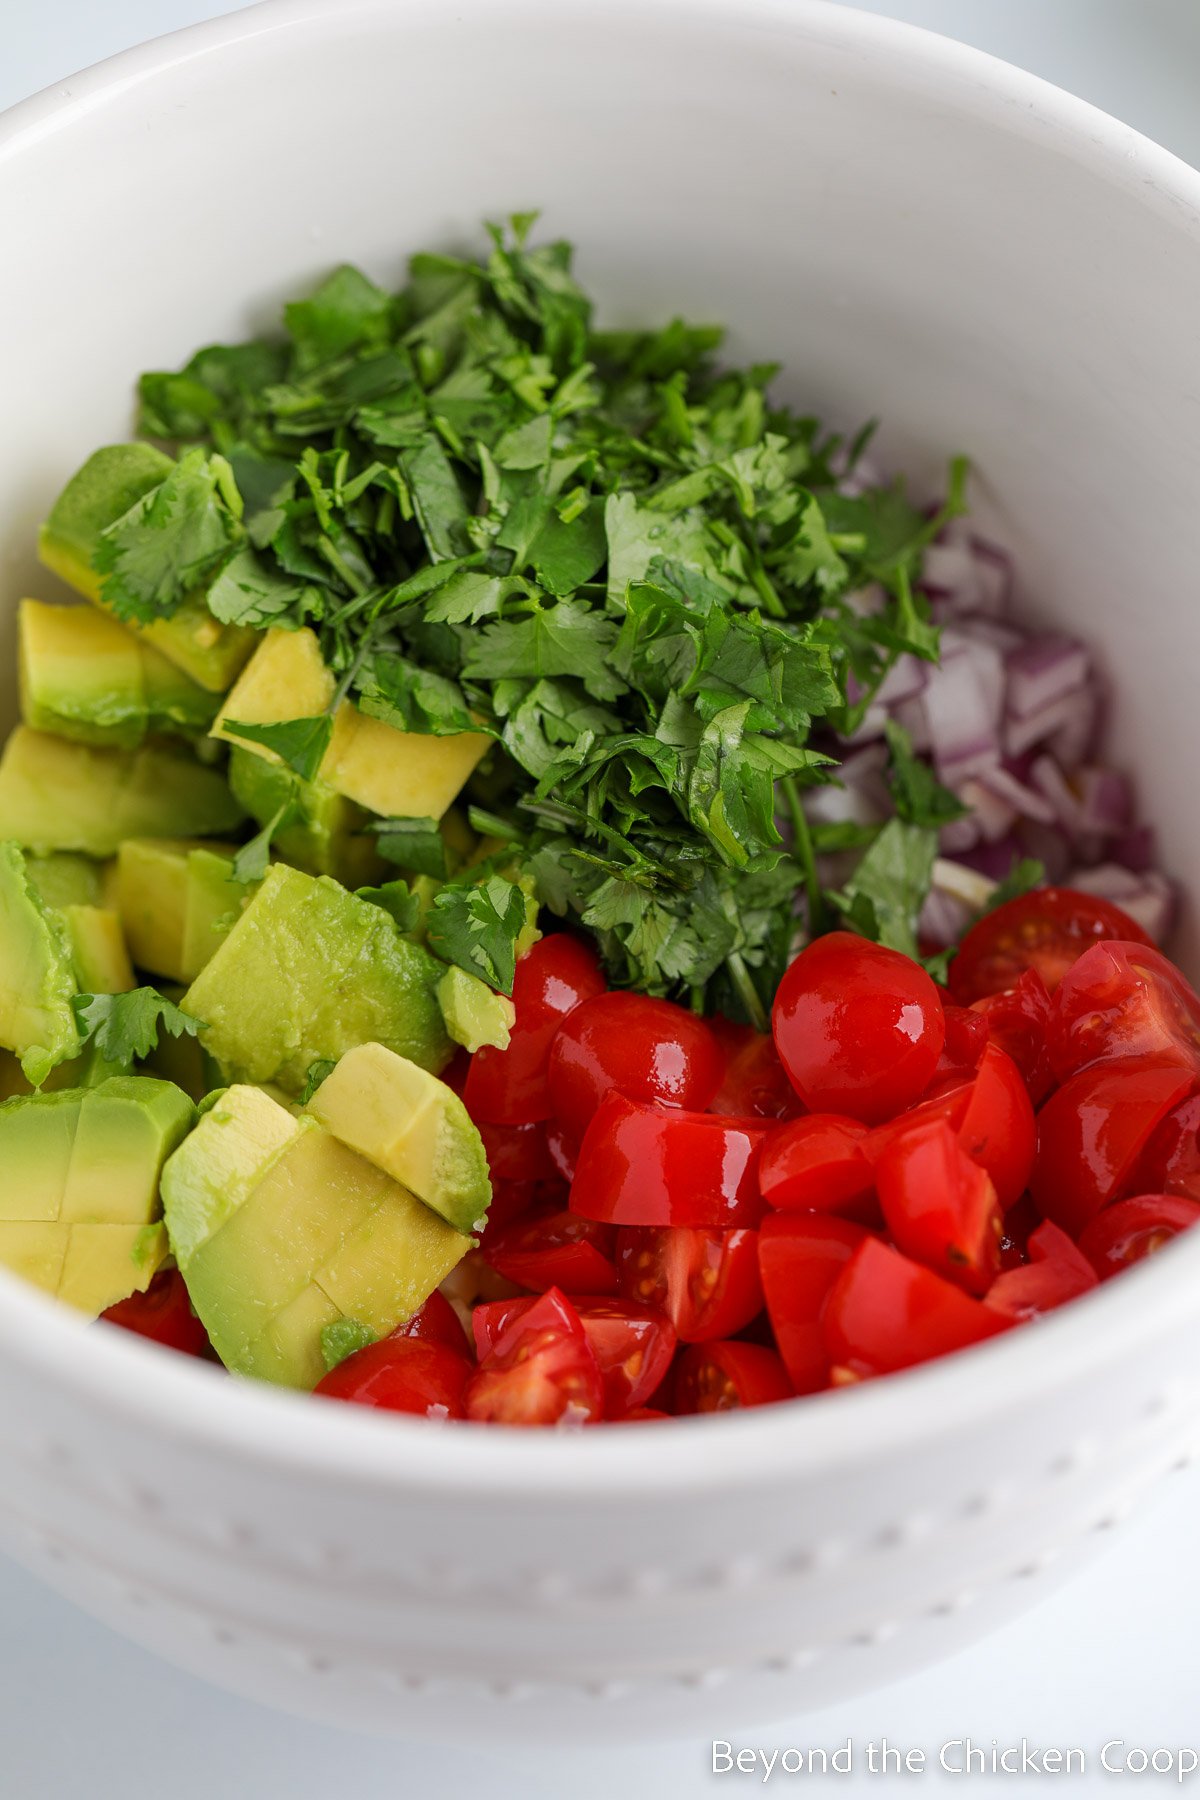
pixel 307 972
pixel 110 482
pixel 398 774
pixel 98 950
pixel 172 894
pixel 64 879
pixel 474 1014
pixel 56 795
pixel 281 1230
pixel 84 676
pixel 37 977
pixel 328 837
pixel 79 1202
pixel 413 1127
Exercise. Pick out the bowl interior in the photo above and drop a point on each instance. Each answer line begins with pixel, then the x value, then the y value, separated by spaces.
pixel 918 234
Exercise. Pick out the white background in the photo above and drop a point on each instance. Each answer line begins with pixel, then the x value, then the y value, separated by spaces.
pixel 85 1716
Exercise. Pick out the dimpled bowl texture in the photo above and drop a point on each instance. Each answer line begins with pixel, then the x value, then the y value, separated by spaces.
pixel 918 233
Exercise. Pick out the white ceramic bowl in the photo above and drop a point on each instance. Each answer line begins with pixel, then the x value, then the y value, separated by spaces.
pixel 919 232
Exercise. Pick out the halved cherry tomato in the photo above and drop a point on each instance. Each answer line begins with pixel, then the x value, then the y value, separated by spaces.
pixel 1170 1163
pixel 817 1164
pixel 705 1282
pixel 649 1050
pixel 1130 1230
pixel 163 1313
pixel 556 1249
pixel 886 1312
pixel 541 1370
pixel 436 1322
pixel 1092 1130
pixel 1057 1271
pixel 1047 930
pixel 719 1376
pixel 940 1205
pixel 508 1087
pixel 1123 1000
pixel 966 1041
pixel 992 1115
pixel 644 1165
pixel 1018 1022
pixel 859 1028
pixel 518 1152
pixel 633 1347
pixel 402 1374
pixel 800 1256
pixel 563 1150
pixel 754 1083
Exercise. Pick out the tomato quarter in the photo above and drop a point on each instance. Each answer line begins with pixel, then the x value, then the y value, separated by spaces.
pixel 508 1087
pixel 800 1256
pixel 817 1163
pixel 705 1282
pixel 1046 930
pixel 402 1374
pixel 541 1370
pixel 649 1050
pixel 163 1314
pixel 1123 1000
pixel 886 1313
pixel 642 1165
pixel 1018 1022
pixel 1057 1272
pixel 555 1249
pixel 940 1206
pixel 721 1376
pixel 1133 1229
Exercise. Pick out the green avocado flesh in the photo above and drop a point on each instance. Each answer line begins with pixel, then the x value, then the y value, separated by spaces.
pixel 85 676
pixel 37 973
pixel 176 898
pixel 79 1203
pixel 280 1229
pixel 111 482
pixel 59 795
pixel 307 972
pixel 411 1125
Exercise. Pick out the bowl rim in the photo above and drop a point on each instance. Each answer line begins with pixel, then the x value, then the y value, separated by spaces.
pixel 199 1406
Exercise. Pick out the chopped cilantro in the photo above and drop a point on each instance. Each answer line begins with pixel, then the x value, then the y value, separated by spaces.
pixel 125 1027
pixel 342 1339
pixel 317 1072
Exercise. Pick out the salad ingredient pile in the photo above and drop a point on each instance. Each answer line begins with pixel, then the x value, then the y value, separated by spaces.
pixel 482 878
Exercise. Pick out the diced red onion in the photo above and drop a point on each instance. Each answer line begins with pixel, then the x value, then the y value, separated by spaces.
pixel 994 815
pixel 1105 801
pixel 1048 779
pixel 1149 898
pixel 1073 713
pixel 1042 671
pixel 1026 801
pixel 904 679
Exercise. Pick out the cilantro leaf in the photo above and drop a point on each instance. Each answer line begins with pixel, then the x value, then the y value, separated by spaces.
pixel 1025 875
pixel 396 899
pixel 477 927
pixel 919 796
pixel 346 312
pixel 169 542
pixel 317 1072
pixel 300 743
pixel 413 844
pixel 125 1027
pixel 883 897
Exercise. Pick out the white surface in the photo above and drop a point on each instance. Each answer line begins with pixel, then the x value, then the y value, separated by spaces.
pixel 1087 1661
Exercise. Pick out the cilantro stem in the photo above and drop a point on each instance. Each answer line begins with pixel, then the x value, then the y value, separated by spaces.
pixel 329 551
pixel 747 992
pixel 802 849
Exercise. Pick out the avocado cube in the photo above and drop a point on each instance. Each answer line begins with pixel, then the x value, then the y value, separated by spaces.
pixel 37 975
pixel 98 950
pixel 307 972
pixel 328 837
pixel 412 1126
pixel 398 774
pixel 111 481
pixel 65 879
pixel 280 1229
pixel 172 894
pixel 79 1202
pixel 84 676
pixel 57 795
pixel 475 1015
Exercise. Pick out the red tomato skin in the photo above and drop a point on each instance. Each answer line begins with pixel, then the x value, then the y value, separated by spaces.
pixel 562 1149
pixel 436 1322
pixel 940 1206
pixel 508 1087
pixel 649 1050
pixel 1057 1272
pixel 540 1370
pixel 705 1282
pixel 754 1083
pixel 518 1152
pixel 1092 1130
pixel 1130 1230
pixel 638 1416
pixel 1170 1163
pixel 886 1313
pixel 555 1250
pixel 1018 1022
pixel 966 1040
pixel 1047 930
pixel 402 1374
pixel 633 1348
pixel 859 1028
pixel 817 1164
pixel 1122 1000
pixel 992 1114
pixel 800 1256
pixel 723 1375
pixel 643 1165
pixel 163 1314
